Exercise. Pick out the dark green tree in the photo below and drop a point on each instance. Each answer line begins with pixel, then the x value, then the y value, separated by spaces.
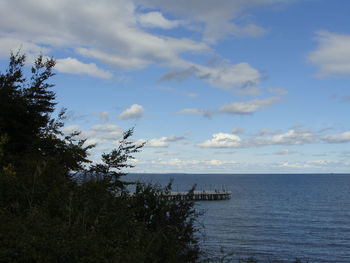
pixel 55 206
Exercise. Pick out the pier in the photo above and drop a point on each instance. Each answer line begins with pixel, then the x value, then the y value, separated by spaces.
pixel 215 195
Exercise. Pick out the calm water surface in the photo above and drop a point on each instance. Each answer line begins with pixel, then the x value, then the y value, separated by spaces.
pixel 273 216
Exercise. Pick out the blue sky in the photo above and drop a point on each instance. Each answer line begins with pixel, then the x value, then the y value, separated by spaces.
pixel 225 86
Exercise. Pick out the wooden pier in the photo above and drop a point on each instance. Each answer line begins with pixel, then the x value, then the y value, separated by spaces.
pixel 215 195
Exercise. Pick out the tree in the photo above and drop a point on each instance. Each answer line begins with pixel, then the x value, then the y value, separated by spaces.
pixel 55 206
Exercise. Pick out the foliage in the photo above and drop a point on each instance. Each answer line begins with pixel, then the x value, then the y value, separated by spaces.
pixel 55 206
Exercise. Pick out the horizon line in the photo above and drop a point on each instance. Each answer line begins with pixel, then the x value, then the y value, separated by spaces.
pixel 179 173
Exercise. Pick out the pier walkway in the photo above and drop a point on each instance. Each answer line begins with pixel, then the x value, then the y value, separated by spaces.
pixel 200 195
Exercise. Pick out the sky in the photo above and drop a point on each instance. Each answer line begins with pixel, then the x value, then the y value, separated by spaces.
pixel 224 86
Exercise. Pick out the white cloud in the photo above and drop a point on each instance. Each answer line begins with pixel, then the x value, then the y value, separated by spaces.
pixel 234 108
pixel 191 111
pixel 163 141
pixel 8 44
pixel 183 163
pixel 338 138
pixel 116 135
pixel 247 107
pixel 114 59
pixel 71 129
pixel 217 17
pixel 88 134
pixel 222 140
pixel 106 128
pixel 74 66
pixel 316 164
pixel 240 77
pixel 156 19
pixel 112 33
pixel 131 48
pixel 102 134
pixel 291 137
pixel 333 53
pixel 213 165
pixel 94 141
pixel 135 111
pixel 113 24
pixel 243 77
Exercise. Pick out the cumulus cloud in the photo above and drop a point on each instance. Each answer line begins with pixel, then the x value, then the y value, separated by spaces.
pixel 291 137
pixel 195 111
pixel 156 19
pixel 190 111
pixel 316 164
pixel 222 140
pixel 106 128
pixel 222 165
pixel 135 111
pixel 240 77
pixel 8 43
pixel 218 17
pixel 180 162
pixel 104 136
pixel 103 132
pixel 74 66
pixel 332 55
pixel 162 141
pixel 71 128
pixel 267 137
pixel 94 141
pixel 193 162
pixel 247 107
pixel 235 108
pixel 113 34
pixel 121 42
pixel 338 138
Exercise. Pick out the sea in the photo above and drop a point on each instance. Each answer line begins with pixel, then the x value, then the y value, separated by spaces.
pixel 271 217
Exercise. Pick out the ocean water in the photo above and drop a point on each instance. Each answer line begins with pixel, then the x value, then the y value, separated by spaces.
pixel 272 216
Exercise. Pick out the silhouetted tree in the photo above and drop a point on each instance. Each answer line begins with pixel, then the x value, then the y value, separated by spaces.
pixel 55 206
